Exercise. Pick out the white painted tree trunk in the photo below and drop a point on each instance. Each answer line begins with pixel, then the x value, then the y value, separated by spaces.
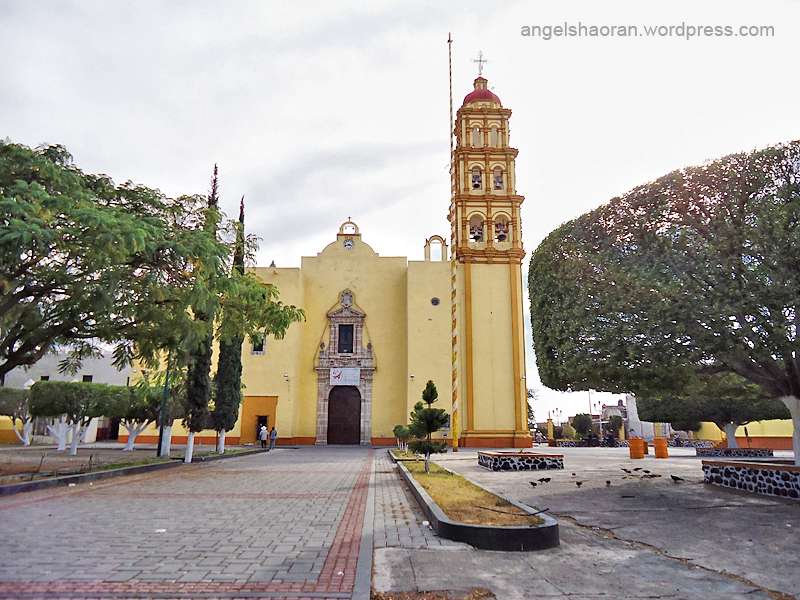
pixel 134 429
pixel 166 442
pixel 793 404
pixel 221 442
pixel 25 435
pixel 77 434
pixel 189 448
pixel 730 433
pixel 59 432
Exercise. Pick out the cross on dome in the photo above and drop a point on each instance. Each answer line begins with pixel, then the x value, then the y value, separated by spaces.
pixel 480 60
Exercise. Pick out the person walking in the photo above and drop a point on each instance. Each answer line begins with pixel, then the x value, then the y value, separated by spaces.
pixel 273 435
pixel 262 435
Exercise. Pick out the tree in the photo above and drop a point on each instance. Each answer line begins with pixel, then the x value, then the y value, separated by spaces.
pixel 694 272
pixel 726 399
pixel 613 425
pixel 198 375
pixel 228 380
pixel 14 404
pixel 529 404
pixel 401 435
pixel 85 261
pixel 582 424
pixel 426 421
pixel 75 405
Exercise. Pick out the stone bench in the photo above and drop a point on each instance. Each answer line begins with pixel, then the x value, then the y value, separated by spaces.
pixel 780 479
pixel 519 461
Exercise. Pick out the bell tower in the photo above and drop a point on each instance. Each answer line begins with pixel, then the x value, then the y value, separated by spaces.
pixel 486 237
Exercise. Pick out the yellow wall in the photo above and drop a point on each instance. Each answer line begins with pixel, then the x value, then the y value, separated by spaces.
pixel 429 330
pixel 771 428
pixel 7 435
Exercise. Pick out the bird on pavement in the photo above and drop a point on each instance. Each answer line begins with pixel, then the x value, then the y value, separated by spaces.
pixel 676 479
pixel 628 471
pixel 608 483
pixel 573 475
pixel 638 469
pixel 579 483
pixel 533 483
pixel 645 471
pixel 544 480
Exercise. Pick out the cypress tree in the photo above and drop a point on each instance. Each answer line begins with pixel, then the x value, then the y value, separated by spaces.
pixel 198 376
pixel 228 392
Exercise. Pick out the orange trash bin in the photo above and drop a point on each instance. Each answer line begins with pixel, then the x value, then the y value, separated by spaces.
pixel 636 448
pixel 645 447
pixel 660 446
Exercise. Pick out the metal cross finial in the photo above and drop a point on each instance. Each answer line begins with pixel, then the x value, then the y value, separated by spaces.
pixel 480 60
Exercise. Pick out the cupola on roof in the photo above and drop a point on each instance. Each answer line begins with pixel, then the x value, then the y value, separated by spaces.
pixel 481 93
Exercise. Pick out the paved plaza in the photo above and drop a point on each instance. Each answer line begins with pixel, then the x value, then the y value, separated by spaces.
pixel 325 522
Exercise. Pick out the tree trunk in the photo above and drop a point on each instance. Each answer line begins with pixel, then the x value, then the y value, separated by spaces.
pixel 730 434
pixel 134 430
pixel 166 441
pixel 189 448
pixel 27 429
pixel 58 431
pixel 77 433
pixel 221 442
pixel 793 404
pixel 427 464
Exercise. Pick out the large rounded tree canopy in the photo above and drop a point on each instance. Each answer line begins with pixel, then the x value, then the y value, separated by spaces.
pixel 698 271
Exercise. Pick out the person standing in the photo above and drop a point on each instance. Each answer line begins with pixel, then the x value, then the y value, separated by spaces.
pixel 273 435
pixel 262 435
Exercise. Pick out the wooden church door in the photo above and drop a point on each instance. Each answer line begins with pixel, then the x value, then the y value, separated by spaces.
pixel 344 415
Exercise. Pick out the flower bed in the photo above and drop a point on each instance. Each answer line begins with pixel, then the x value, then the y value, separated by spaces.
pixel 471 514
pixel 519 461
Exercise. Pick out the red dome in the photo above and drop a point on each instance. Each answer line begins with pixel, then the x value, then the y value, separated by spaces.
pixel 481 93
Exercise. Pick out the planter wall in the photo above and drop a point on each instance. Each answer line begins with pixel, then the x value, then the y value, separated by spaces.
pixel 519 461
pixel 486 537
pixel 735 452
pixel 768 479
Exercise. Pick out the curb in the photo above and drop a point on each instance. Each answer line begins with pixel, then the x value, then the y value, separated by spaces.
pixel 485 537
pixel 43 484
pixel 363 584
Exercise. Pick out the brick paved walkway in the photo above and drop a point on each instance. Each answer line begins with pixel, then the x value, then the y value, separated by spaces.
pixel 284 524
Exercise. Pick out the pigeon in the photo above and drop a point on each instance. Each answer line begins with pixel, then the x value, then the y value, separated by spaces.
pixel 676 479
pixel 646 471
pixel 608 483
pixel 545 480
pixel 638 469
pixel 579 483
pixel 573 475
pixel 628 471
pixel 533 483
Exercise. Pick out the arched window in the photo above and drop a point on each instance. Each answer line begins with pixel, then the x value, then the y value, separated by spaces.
pixel 476 136
pixel 497 178
pixel 501 229
pixel 494 136
pixel 476 228
pixel 477 178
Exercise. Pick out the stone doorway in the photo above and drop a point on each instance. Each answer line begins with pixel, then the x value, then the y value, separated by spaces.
pixel 344 415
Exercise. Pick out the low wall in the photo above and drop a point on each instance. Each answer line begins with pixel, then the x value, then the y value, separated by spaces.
pixel 735 452
pixel 517 461
pixel 768 479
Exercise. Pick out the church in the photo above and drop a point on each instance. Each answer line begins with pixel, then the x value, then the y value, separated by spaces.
pixel 378 328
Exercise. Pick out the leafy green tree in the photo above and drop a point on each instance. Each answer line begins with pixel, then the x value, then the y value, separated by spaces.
pixel 85 261
pixel 582 424
pixel 694 272
pixel 613 425
pixel 14 404
pixel 401 435
pixel 426 421
pixel 725 399
pixel 166 394
pixel 76 404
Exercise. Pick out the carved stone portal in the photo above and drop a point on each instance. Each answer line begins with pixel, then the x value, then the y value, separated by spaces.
pixel 354 368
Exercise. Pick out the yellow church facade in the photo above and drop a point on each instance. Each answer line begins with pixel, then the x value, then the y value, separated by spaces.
pixel 378 328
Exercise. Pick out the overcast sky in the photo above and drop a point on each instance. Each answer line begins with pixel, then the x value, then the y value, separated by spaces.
pixel 316 111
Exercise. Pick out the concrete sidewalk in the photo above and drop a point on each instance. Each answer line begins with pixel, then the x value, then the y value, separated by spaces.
pixel 667 544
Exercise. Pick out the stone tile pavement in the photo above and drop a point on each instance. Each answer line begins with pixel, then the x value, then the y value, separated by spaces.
pixel 283 524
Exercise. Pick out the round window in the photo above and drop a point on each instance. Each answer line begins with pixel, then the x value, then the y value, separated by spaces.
pixel 435 301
